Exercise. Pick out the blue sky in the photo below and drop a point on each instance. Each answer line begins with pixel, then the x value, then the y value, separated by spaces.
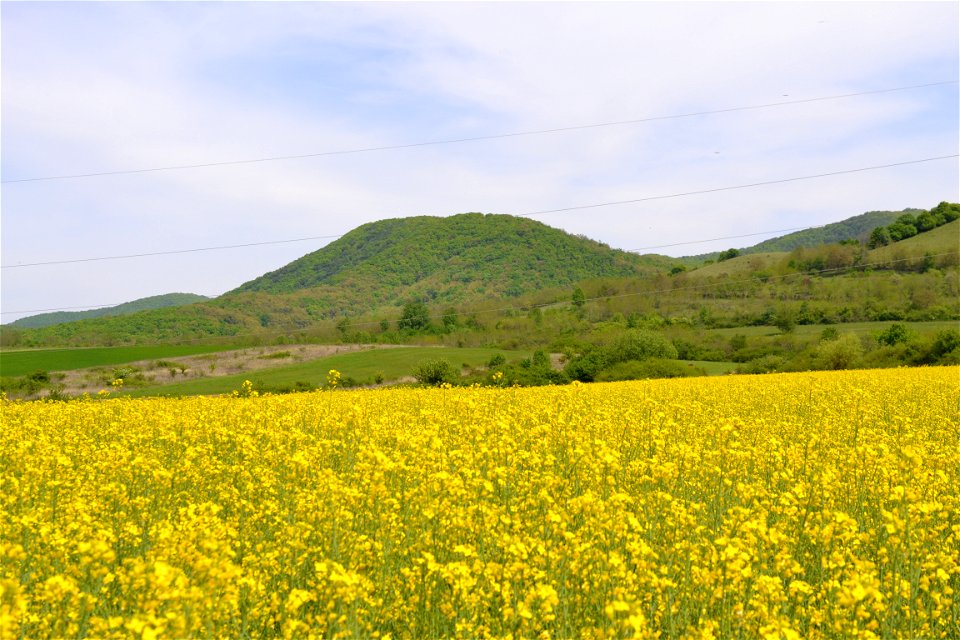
pixel 92 87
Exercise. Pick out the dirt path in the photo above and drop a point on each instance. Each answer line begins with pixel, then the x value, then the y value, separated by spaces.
pixel 224 363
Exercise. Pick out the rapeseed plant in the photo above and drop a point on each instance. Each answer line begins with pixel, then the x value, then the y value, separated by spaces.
pixel 817 505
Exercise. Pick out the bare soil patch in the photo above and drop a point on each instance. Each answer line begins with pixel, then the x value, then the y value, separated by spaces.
pixel 224 363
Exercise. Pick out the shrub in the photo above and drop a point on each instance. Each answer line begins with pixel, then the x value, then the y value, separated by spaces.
pixel 946 347
pixel 829 334
pixel 639 344
pixel 578 298
pixel 894 334
pixel 587 365
pixel 785 320
pixel 435 372
pixel 635 344
pixel 41 377
pixel 496 360
pixel 650 368
pixel 727 255
pixel 275 356
pixel 737 342
pixel 763 364
pixel 841 353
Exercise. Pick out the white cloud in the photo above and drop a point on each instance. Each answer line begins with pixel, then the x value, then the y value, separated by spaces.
pixel 93 87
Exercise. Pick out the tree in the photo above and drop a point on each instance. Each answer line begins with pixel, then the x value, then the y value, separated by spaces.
pixel 639 344
pixel 926 221
pixel 907 219
pixel 579 299
pixel 894 334
pixel 540 359
pixel 450 319
pixel 728 254
pixel 841 353
pixel 785 320
pixel 947 211
pixel 901 230
pixel 415 317
pixel 879 237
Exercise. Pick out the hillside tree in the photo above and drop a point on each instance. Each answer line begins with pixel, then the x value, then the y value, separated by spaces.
pixel 415 316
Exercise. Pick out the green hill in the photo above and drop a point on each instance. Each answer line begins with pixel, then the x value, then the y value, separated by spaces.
pixel 493 269
pixel 463 259
pixel 142 304
pixel 450 259
pixel 855 228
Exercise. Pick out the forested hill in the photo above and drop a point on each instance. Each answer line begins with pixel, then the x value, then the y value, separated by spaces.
pixel 855 228
pixel 452 258
pixel 142 304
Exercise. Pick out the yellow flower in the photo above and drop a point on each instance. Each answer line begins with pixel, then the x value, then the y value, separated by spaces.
pixel 609 510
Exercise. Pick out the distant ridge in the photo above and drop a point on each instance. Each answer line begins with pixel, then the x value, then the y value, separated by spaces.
pixel 141 304
pixel 854 228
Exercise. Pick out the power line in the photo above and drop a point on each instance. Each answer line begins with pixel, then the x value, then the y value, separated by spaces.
pixel 165 253
pixel 741 186
pixel 743 235
pixel 269 242
pixel 477 138
pixel 80 307
pixel 524 215
pixel 116 304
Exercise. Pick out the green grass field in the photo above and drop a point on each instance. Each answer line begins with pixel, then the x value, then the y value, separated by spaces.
pixel 741 266
pixel 712 368
pixel 362 366
pixel 858 328
pixel 22 362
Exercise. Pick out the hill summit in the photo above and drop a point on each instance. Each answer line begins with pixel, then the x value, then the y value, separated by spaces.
pixel 450 258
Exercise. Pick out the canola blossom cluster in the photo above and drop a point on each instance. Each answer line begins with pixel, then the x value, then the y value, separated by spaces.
pixel 815 505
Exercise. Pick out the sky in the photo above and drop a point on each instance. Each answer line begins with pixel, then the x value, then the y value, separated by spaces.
pixel 105 87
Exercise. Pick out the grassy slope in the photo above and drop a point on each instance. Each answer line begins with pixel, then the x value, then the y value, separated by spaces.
pixel 361 366
pixel 741 266
pixel 21 362
pixel 943 239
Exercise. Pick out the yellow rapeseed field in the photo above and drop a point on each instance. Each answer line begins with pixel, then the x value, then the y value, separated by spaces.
pixel 820 505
